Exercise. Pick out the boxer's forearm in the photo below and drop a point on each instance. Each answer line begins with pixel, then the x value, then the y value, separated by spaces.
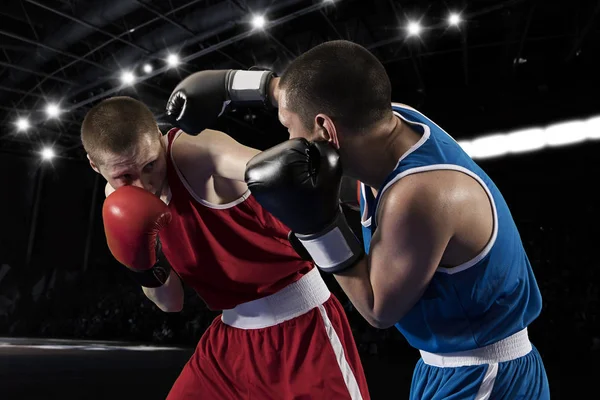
pixel 168 297
pixel 355 282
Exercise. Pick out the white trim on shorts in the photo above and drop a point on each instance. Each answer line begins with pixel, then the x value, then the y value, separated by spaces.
pixel 340 356
pixel 487 384
pixel 511 348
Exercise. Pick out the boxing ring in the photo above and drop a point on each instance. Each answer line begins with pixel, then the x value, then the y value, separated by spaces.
pixel 53 368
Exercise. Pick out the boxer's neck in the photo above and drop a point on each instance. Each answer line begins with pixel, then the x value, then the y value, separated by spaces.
pixel 376 154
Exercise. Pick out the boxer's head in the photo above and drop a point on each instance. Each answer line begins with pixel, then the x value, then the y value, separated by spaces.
pixel 124 144
pixel 337 91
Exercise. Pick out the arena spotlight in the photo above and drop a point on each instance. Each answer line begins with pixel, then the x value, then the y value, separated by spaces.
pixel 22 124
pixel 127 78
pixel 454 19
pixel 414 28
pixel 148 68
pixel 173 60
pixel 533 139
pixel 258 21
pixel 52 110
pixel 47 153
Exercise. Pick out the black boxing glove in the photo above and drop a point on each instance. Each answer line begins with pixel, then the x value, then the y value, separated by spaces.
pixel 299 183
pixel 202 97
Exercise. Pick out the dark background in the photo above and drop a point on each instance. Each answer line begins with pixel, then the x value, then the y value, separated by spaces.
pixel 57 278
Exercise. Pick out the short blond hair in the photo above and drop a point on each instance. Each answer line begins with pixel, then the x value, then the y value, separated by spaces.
pixel 116 125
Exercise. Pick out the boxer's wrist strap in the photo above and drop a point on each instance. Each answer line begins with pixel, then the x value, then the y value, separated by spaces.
pixel 158 274
pixel 153 277
pixel 334 249
pixel 250 87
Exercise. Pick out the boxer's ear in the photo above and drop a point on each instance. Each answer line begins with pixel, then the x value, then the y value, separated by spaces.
pixel 326 130
pixel 92 164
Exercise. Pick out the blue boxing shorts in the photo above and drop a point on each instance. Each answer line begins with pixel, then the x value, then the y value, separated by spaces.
pixel 510 369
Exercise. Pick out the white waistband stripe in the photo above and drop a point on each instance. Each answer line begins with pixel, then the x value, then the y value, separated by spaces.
pixel 511 348
pixel 298 298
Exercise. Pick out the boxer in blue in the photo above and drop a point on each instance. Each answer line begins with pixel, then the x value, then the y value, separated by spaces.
pixel 442 261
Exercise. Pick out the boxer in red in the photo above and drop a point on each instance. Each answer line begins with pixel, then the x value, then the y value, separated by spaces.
pixel 178 211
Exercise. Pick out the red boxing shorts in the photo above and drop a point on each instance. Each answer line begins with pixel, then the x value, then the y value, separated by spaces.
pixel 294 344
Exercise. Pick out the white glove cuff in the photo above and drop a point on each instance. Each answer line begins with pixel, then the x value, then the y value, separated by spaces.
pixel 250 87
pixel 335 248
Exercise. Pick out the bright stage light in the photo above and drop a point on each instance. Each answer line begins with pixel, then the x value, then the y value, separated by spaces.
pixel 52 110
pixel 47 153
pixel 173 60
pixel 22 124
pixel 414 28
pixel 258 21
pixel 454 19
pixel 127 78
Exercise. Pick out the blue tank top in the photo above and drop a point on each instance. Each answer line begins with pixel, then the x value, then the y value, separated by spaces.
pixel 477 303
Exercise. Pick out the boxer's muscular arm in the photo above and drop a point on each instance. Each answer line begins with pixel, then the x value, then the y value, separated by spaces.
pixel 212 153
pixel 168 297
pixel 413 230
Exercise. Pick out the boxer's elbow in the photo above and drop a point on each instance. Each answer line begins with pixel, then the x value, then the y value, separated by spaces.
pixel 380 321
pixel 386 313
pixel 376 317
pixel 382 324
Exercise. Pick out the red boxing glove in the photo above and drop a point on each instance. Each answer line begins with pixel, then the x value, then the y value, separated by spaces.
pixel 132 219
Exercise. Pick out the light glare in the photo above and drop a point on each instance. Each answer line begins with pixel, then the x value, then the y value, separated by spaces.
pixel 522 141
pixel 414 28
pixel 454 19
pixel 47 153
pixel 52 110
pixel 173 60
pixel 22 124
pixel 258 21
pixel 127 77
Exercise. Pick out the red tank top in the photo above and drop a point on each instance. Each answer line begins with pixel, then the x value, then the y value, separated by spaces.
pixel 231 253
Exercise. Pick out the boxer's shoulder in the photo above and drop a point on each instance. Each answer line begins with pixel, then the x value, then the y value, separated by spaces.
pixel 191 155
pixel 441 201
pixel 436 191
pixel 195 157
